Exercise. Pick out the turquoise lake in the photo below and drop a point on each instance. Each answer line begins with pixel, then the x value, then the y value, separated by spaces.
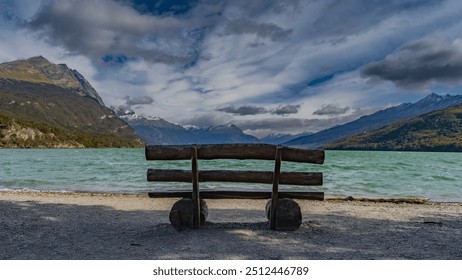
pixel 437 176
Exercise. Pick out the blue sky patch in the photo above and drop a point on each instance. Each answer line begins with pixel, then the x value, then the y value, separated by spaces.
pixel 320 80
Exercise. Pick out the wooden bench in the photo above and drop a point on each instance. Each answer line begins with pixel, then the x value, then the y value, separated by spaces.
pixel 191 211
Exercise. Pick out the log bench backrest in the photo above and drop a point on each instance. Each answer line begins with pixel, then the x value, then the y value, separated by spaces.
pixel 234 151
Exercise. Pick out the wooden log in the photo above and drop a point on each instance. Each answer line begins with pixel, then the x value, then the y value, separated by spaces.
pixel 302 155
pixel 288 214
pixel 238 194
pixel 182 214
pixel 260 177
pixel 232 151
pixel 237 151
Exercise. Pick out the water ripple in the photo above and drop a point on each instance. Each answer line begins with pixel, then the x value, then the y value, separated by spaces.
pixel 437 176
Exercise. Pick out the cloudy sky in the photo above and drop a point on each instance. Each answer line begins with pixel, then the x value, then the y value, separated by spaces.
pixel 267 66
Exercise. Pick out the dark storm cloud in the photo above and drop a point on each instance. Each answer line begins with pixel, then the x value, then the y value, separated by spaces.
pixel 243 110
pixel 281 110
pixel 101 29
pixel 138 100
pixel 286 110
pixel 170 32
pixel 331 109
pixel 419 64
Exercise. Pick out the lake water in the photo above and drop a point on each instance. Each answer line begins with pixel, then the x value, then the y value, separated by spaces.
pixel 437 176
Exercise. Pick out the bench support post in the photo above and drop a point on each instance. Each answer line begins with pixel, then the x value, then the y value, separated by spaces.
pixel 195 193
pixel 275 191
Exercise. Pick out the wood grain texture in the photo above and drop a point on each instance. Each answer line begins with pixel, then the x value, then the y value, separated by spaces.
pixel 232 151
pixel 258 177
pixel 238 194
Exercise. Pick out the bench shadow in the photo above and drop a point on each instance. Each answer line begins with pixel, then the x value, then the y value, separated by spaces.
pixel 34 230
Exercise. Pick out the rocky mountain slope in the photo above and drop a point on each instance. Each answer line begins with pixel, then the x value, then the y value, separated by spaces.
pixel 154 130
pixel 374 121
pixel 48 105
pixel 38 69
pixel 439 130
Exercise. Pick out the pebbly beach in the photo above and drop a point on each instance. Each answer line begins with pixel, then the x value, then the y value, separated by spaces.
pixel 95 226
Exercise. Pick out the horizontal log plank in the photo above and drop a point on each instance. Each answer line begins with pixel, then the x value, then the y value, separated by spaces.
pixel 232 151
pixel 260 177
pixel 238 194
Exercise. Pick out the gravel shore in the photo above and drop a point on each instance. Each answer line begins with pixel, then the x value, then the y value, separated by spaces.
pixel 36 225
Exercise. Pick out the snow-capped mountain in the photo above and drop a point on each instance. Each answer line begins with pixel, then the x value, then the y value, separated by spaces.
pixel 381 118
pixel 155 130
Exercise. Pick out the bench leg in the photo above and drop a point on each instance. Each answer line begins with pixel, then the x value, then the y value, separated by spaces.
pixel 288 214
pixel 182 216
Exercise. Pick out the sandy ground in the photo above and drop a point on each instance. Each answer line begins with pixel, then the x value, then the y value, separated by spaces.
pixel 104 226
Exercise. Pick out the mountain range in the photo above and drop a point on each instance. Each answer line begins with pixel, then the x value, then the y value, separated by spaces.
pixel 50 105
pixel 439 130
pixel 154 130
pixel 376 120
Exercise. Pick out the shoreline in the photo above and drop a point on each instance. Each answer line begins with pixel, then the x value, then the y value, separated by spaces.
pixel 411 200
pixel 60 225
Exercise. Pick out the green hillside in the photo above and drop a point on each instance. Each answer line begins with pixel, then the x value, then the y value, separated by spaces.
pixel 46 115
pixel 436 131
